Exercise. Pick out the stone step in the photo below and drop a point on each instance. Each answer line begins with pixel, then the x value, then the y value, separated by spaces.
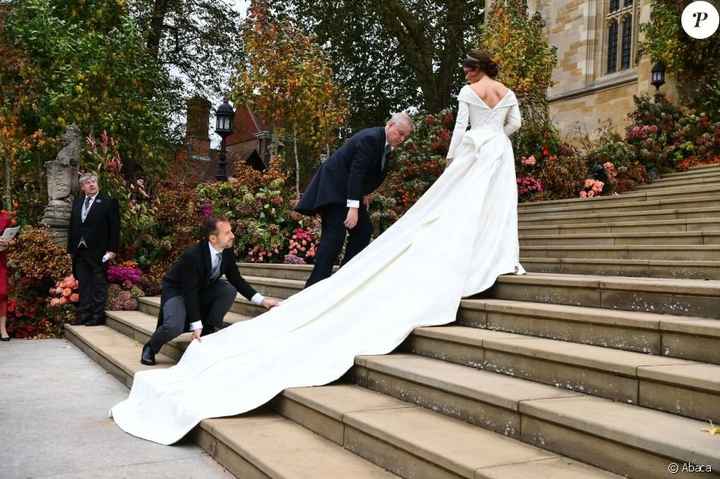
pixel 695 180
pixel 621 239
pixel 251 434
pixel 626 439
pixel 676 193
pixel 655 251
pixel 417 443
pixel 710 225
pixel 620 205
pixel 572 218
pixel 684 337
pixel 684 297
pixel 678 386
pixel 651 268
pixel 257 445
pixel 694 170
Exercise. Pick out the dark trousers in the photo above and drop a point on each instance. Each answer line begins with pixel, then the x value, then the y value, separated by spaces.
pixel 332 239
pixel 215 302
pixel 89 270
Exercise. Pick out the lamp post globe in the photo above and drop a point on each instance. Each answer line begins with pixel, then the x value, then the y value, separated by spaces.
pixel 224 116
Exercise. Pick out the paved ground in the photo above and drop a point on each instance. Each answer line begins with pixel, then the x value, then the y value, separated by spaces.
pixel 53 422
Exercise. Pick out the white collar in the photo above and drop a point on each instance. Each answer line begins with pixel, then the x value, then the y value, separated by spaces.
pixel 213 250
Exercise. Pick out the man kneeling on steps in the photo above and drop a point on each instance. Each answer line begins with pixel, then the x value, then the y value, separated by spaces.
pixel 193 295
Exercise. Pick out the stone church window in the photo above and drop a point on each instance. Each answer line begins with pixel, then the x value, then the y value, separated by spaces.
pixel 620 36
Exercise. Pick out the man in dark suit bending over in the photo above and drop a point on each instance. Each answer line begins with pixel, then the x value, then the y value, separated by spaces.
pixel 193 295
pixel 340 191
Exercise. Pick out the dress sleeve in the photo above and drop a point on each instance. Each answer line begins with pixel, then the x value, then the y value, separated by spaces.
pixel 513 120
pixel 461 123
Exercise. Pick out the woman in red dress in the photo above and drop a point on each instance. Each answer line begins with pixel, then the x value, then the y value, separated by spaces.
pixel 5 221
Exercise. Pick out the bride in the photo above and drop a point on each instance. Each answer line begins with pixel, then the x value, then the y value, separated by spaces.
pixel 454 242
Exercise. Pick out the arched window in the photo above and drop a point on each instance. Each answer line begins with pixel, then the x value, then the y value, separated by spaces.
pixel 626 42
pixel 620 39
pixel 612 46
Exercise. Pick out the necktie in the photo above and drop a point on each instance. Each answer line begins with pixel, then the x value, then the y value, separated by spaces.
pixel 86 208
pixel 215 273
pixel 386 152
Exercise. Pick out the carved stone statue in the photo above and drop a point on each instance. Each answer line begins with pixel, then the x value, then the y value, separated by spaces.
pixel 62 183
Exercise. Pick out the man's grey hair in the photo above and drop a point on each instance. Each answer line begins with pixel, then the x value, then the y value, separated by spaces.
pixel 87 177
pixel 402 117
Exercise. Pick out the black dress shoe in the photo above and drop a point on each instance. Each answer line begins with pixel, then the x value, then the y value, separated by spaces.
pixel 148 356
pixel 5 339
pixel 95 322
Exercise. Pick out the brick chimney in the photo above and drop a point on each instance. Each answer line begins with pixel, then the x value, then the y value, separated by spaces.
pixel 196 134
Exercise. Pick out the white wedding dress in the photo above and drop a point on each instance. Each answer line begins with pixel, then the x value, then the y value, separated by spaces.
pixel 454 242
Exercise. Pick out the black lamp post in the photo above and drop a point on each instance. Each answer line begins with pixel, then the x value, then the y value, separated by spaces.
pixel 223 126
pixel 657 76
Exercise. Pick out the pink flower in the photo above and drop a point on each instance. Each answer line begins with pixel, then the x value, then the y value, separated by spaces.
pixel 598 186
pixel 530 161
pixel 583 194
pixel 590 194
pixel 589 182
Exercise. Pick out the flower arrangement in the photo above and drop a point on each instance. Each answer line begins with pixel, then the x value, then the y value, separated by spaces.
pixel 303 245
pixel 592 188
pixel 124 273
pixel 124 289
pixel 65 292
pixel 528 186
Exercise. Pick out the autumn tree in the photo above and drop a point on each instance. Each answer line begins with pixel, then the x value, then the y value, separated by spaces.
pixel 392 54
pixel 518 43
pixel 288 81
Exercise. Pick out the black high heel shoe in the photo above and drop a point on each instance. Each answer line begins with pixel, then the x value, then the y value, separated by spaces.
pixel 5 339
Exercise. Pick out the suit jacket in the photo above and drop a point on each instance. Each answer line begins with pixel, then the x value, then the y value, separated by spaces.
pixel 353 171
pixel 190 274
pixel 101 229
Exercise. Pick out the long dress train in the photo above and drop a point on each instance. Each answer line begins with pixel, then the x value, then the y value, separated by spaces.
pixel 454 242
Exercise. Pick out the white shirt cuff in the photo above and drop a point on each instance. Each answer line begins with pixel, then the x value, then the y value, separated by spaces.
pixel 196 325
pixel 353 203
pixel 257 299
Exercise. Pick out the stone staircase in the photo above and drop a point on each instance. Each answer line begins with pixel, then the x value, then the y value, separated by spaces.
pixel 667 229
pixel 550 375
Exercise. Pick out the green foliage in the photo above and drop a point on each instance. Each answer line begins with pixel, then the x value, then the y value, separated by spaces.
pixel 196 39
pixel 94 71
pixel 694 63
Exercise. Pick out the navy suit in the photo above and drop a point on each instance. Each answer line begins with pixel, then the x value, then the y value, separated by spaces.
pixel 353 171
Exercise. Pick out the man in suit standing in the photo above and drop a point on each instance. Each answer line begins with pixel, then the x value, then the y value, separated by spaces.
pixel 93 240
pixel 340 191
pixel 193 295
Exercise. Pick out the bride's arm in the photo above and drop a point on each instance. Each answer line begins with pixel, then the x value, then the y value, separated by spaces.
pixel 461 124
pixel 513 120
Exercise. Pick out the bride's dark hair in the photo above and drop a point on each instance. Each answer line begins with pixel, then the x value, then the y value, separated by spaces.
pixel 479 60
